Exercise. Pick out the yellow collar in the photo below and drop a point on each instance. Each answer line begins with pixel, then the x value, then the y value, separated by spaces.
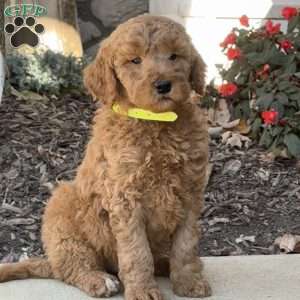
pixel 143 114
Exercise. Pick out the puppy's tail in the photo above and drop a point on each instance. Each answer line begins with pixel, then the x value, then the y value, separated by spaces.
pixel 30 268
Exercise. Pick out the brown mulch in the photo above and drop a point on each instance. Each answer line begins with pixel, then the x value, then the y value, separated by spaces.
pixel 40 144
pixel 249 200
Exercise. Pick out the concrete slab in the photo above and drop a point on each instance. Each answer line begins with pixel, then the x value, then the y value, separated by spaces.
pixel 274 277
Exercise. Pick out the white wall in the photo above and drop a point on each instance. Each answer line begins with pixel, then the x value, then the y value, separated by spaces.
pixel 209 21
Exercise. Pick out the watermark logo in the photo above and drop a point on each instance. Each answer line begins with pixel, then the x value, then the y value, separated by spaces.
pixel 24 10
pixel 24 30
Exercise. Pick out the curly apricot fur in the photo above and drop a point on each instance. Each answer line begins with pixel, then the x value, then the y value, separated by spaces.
pixel 133 207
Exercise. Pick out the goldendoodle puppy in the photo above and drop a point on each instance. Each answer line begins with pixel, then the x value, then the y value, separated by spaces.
pixel 132 209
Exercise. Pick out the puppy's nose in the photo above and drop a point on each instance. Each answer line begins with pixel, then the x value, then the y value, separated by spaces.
pixel 163 86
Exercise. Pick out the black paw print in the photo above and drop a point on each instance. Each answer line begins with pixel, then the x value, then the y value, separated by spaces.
pixel 24 34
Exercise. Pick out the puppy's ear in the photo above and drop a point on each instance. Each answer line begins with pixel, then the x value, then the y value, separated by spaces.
pixel 197 77
pixel 100 79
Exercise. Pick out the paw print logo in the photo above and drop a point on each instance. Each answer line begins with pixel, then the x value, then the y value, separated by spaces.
pixel 21 33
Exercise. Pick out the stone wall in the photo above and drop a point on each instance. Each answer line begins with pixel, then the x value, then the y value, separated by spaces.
pixel 98 18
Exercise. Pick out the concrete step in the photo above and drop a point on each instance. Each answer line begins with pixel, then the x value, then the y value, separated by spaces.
pixel 273 277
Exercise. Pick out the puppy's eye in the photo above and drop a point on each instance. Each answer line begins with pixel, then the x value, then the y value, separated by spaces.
pixel 172 56
pixel 136 60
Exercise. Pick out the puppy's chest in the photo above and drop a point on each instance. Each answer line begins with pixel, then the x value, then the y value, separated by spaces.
pixel 163 183
pixel 164 158
pixel 160 167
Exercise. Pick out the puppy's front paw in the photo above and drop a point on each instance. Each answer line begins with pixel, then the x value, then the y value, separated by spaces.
pixel 143 294
pixel 192 286
pixel 99 284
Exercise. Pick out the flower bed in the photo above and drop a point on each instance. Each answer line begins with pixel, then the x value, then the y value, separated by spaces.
pixel 262 84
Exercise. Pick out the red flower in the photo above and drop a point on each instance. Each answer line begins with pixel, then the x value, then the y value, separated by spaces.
pixel 233 53
pixel 289 12
pixel 286 44
pixel 230 39
pixel 272 29
pixel 227 89
pixel 244 20
pixel 270 116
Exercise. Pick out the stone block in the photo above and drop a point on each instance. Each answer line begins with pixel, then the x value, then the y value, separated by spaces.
pixel 114 12
pixel 88 31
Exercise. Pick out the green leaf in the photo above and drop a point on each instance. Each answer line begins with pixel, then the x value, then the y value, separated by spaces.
pixel 291 68
pixel 242 79
pixel 290 111
pixel 287 129
pixel 264 101
pixel 237 112
pixel 282 97
pixel 296 43
pixel 284 85
pixel 245 107
pixel 256 125
pixel 256 59
pixel 277 141
pixel 260 91
pixel 294 105
pixel 278 106
pixel 246 46
pixel 293 23
pixel 266 138
pixel 294 96
pixel 245 93
pixel 279 59
pixel 267 44
pixel 292 141
pixel 232 72
pixel 276 130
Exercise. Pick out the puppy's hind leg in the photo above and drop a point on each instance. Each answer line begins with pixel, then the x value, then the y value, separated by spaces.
pixel 72 259
pixel 76 264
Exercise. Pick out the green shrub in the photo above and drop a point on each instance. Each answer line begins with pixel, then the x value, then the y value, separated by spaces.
pixel 46 72
pixel 262 83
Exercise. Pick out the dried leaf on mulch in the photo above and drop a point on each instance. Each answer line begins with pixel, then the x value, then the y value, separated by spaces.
pixel 288 243
pixel 242 238
pixel 28 95
pixel 232 124
pixel 209 170
pixel 235 139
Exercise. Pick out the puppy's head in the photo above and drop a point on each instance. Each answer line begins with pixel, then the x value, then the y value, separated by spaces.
pixel 148 62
